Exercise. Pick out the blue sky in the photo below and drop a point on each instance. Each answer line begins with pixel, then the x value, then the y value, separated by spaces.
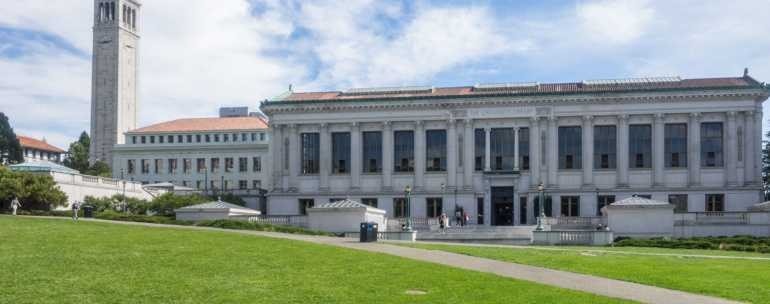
pixel 197 55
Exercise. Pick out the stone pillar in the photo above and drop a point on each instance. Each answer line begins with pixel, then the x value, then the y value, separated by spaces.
pixel 757 153
pixel 748 149
pixel 487 150
pixel 356 154
pixel 622 150
pixel 553 152
pixel 588 151
pixel 534 152
pixel 387 157
pixel 543 151
pixel 325 161
pixel 693 137
pixel 732 150
pixel 515 150
pixel 294 157
pixel 468 165
pixel 658 151
pixel 419 155
pixel 276 145
pixel 451 146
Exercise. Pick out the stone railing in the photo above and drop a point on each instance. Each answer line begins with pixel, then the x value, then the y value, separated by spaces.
pixel 572 237
pixel 283 220
pixel 575 222
pixel 388 235
pixel 721 218
pixel 418 223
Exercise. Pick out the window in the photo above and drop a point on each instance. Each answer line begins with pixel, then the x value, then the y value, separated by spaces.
pixel 225 137
pixel 372 150
pixel 480 210
pixel 403 151
pixel 253 136
pixel 310 153
pixel 340 152
pixel 524 150
pixel 243 137
pixel 603 201
pixel 152 139
pixel 197 138
pixel 200 165
pixel 144 139
pixel 160 139
pixel 479 149
pixel 715 202
pixel 180 139
pixel 676 145
pixel 131 166
pixel 243 184
pixel 335 199
pixel 640 146
pixel 256 184
pixel 256 164
pixel 208 138
pixel 304 204
pixel 172 165
pixel 435 153
pixel 570 206
pixel 523 210
pixel 679 201
pixel 261 136
pixel 171 139
pixel 371 202
pixel 570 148
pixel 229 164
pixel 605 145
pixel 186 165
pixel 198 184
pixel 216 137
pixel 235 137
pixel 501 145
pixel 243 164
pixel 189 138
pixel 711 144
pixel 547 208
pixel 647 196
pixel 145 166
pixel 133 139
pixel 158 166
pixel 399 207
pixel 433 207
pixel 214 165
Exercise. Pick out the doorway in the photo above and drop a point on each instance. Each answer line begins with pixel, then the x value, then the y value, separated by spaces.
pixel 502 206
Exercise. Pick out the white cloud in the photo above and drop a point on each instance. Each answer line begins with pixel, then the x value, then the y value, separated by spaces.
pixel 614 22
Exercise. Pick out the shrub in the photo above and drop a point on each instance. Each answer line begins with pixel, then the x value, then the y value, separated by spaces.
pixel 730 243
pixel 165 204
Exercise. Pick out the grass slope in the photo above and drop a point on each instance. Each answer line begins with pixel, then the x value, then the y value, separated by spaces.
pixel 745 280
pixel 60 261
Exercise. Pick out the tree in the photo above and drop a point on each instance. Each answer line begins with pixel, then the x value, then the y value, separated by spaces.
pixel 10 149
pixel 167 202
pixel 766 166
pixel 78 158
pixel 34 191
pixel 99 168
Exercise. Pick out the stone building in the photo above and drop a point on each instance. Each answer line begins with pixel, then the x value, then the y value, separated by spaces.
pixel 39 150
pixel 486 148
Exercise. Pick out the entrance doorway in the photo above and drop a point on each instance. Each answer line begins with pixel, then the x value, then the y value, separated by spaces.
pixel 502 206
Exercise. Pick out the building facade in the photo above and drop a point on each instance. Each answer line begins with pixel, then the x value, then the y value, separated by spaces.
pixel 485 149
pixel 39 150
pixel 114 75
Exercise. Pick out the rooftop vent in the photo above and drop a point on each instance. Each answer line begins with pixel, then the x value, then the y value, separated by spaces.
pixel 511 86
pixel 633 81
pixel 390 90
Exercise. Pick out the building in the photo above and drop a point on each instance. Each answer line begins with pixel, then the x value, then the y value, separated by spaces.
pixel 114 75
pixel 209 154
pixel 39 150
pixel 485 149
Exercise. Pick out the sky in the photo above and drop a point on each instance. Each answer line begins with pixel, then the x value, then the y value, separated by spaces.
pixel 198 55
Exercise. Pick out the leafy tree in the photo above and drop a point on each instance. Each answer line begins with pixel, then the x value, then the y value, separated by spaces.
pixel 34 191
pixel 99 168
pixel 10 149
pixel 167 202
pixel 78 153
pixel 133 205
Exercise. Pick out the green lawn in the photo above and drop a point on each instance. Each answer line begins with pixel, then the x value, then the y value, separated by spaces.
pixel 739 279
pixel 60 261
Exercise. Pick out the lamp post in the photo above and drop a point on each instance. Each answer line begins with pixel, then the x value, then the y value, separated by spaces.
pixel 407 194
pixel 541 202
pixel 123 198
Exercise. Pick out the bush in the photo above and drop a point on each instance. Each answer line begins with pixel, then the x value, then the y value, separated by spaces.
pixel 165 204
pixel 117 216
pixel 133 205
pixel 731 243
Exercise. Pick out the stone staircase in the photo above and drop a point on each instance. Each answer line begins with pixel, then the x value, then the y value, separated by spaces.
pixel 512 235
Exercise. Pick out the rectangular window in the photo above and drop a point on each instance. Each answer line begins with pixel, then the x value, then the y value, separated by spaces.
pixel 197 138
pixel 152 139
pixel 371 202
pixel 399 207
pixel 160 139
pixel 640 146
pixel 304 204
pixel 479 149
pixel 200 165
pixel 215 165
pixel 225 137
pixel 603 201
pixel 131 166
pixel 711 144
pixel 158 166
pixel 433 207
pixel 172 165
pixel 605 145
pixel 133 139
pixel 229 164
pixel 676 145
pixel 186 165
pixel 144 139
pixel 180 139
pixel 523 210
pixel 189 139
pixel 547 207
pixel 256 184
pixel 235 137
pixel 480 210
pixel 243 137
pixel 715 202
pixel 256 164
pixel 310 152
pixel 208 138
pixel 171 139
pixel 372 150
pixel 570 206
pixel 403 151
pixel 243 184
pixel 216 137
pixel 253 136
pixel 524 149
pixel 679 201
pixel 435 153
pixel 340 152
pixel 261 136
pixel 243 164
pixel 501 145
pixel 570 148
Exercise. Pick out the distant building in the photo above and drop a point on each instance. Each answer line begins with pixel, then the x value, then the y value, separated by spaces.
pixel 233 111
pixel 37 150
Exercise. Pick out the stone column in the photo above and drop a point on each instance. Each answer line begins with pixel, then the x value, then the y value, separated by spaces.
pixel 451 146
pixel 276 145
pixel 658 151
pixel 516 148
pixel 294 157
pixel 468 165
pixel 622 151
pixel 356 154
pixel 748 149
pixel 487 150
pixel 325 161
pixel 534 152
pixel 693 137
pixel 553 152
pixel 387 157
pixel 419 155
pixel 757 153
pixel 732 150
pixel 543 151
pixel 588 151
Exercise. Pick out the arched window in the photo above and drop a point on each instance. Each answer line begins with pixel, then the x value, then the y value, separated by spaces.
pixel 112 11
pixel 100 16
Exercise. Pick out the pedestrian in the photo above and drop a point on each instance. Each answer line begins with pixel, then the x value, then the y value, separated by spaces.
pixel 15 205
pixel 466 218
pixel 458 215
pixel 442 222
pixel 75 209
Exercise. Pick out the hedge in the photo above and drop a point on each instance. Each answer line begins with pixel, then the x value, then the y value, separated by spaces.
pixel 732 243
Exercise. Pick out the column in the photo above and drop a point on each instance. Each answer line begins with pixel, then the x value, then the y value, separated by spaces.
pixel 588 151
pixel 543 151
pixel 276 145
pixel 326 158
pixel 487 150
pixel 757 153
pixel 419 155
pixel 534 152
pixel 622 150
pixel 355 156
pixel 451 146
pixel 748 149
pixel 658 150
pixel 732 151
pixel 515 150
pixel 470 145
pixel 387 157
pixel 553 152
pixel 294 157
pixel 693 153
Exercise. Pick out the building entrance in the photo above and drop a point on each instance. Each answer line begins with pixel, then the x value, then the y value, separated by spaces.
pixel 502 206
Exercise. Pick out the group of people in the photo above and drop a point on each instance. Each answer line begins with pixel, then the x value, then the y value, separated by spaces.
pixel 15 205
pixel 461 219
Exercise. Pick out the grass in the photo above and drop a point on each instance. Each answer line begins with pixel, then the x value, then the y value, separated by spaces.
pixel 738 279
pixel 60 261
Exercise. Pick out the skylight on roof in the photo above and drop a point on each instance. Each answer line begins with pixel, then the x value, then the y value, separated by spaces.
pixel 633 81
pixel 389 90
pixel 506 86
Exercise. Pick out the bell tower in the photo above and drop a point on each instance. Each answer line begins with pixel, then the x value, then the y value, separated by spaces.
pixel 114 75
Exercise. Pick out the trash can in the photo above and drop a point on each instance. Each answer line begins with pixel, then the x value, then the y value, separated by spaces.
pixel 88 211
pixel 368 232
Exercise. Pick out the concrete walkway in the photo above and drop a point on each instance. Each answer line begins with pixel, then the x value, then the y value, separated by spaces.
pixel 586 283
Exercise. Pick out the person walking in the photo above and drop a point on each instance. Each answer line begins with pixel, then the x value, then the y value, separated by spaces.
pixel 75 209
pixel 15 205
pixel 466 217
pixel 441 225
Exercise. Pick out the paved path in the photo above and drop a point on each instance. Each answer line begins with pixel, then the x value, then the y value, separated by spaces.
pixel 563 279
